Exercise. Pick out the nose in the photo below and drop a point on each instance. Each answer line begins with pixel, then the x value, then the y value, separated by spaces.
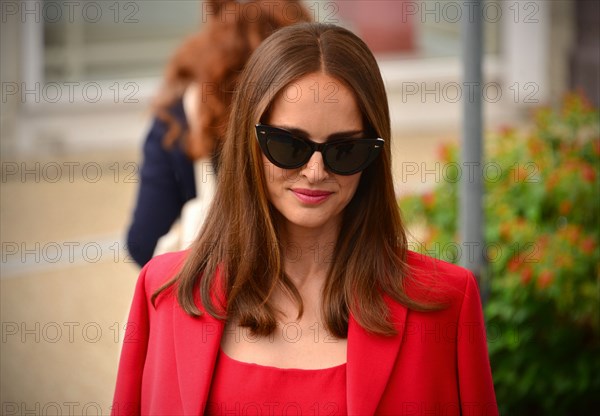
pixel 314 170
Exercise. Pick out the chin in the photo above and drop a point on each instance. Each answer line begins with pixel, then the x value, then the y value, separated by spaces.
pixel 310 221
pixel 306 222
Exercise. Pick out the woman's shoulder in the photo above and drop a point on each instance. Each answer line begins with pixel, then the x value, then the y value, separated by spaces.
pixel 445 278
pixel 160 269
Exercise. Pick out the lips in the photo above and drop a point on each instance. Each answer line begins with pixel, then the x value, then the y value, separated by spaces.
pixel 311 196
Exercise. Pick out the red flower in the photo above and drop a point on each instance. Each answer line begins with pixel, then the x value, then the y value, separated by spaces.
pixel 505 229
pixel 526 275
pixel 588 245
pixel 552 181
pixel 588 173
pixel 543 241
pixel 514 264
pixel 444 152
pixel 522 174
pixel 545 279
pixel 428 200
pixel 535 146
pixel 565 207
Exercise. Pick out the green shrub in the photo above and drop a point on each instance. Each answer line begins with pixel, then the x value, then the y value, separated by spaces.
pixel 542 229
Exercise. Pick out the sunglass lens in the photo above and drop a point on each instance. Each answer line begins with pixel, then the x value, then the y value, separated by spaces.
pixel 288 151
pixel 350 157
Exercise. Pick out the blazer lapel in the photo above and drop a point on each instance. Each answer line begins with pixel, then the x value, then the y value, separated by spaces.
pixel 197 342
pixel 370 362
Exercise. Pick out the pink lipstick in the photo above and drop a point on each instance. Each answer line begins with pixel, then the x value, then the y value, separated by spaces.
pixel 311 196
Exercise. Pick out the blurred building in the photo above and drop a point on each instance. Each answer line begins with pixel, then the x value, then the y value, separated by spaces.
pixel 79 75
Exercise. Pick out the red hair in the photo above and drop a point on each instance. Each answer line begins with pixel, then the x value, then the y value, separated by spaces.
pixel 213 59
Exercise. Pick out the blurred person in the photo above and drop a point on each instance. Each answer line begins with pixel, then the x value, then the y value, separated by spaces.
pixel 204 71
pixel 300 293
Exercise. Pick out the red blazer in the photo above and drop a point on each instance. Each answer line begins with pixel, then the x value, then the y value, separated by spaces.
pixel 437 364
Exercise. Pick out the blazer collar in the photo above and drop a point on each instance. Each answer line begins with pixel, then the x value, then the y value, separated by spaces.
pixel 197 342
pixel 371 359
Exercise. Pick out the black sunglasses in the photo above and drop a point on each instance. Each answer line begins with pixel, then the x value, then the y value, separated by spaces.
pixel 343 156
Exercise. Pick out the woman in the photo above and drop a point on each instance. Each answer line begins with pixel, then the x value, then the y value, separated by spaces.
pixel 211 60
pixel 299 296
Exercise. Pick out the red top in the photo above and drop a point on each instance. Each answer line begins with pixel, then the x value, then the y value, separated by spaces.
pixel 251 389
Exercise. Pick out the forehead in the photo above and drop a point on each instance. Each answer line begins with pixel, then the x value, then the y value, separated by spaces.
pixel 317 103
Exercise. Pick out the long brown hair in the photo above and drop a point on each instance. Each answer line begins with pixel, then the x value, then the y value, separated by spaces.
pixel 239 253
pixel 213 58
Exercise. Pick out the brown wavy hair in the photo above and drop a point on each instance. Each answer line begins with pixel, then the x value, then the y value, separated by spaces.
pixel 239 253
pixel 213 59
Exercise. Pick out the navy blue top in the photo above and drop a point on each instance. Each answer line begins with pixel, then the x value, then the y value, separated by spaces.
pixel 166 184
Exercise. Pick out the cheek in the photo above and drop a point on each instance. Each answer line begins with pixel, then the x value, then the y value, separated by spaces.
pixel 278 176
pixel 350 184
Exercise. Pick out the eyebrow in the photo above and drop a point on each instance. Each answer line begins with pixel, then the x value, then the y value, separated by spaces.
pixel 338 135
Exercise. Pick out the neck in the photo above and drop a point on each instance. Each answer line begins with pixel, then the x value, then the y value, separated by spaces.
pixel 308 253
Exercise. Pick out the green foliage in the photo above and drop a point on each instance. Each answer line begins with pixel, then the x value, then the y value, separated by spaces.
pixel 542 230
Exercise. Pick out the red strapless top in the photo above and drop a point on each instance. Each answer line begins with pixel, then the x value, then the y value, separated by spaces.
pixel 240 388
